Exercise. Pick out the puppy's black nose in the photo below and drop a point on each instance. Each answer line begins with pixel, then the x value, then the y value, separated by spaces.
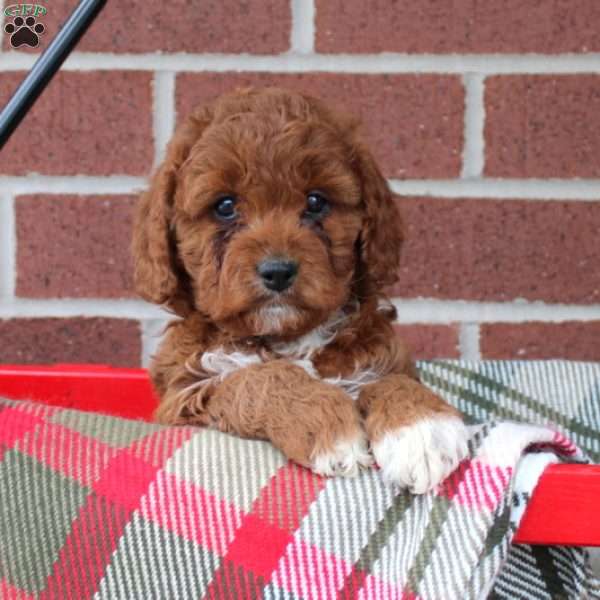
pixel 277 274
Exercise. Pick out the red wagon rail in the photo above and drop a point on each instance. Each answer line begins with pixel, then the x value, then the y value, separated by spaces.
pixel 563 509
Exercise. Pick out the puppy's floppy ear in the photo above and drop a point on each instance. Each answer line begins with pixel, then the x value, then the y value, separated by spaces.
pixel 382 233
pixel 158 273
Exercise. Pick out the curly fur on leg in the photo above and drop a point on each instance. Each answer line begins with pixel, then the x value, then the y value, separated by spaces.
pixel 313 423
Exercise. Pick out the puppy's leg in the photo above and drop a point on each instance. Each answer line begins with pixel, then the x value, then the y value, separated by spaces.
pixel 417 438
pixel 312 423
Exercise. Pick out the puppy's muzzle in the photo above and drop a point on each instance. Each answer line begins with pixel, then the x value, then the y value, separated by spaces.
pixel 277 274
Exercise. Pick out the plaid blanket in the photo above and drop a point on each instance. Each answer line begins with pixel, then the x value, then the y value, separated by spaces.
pixel 104 508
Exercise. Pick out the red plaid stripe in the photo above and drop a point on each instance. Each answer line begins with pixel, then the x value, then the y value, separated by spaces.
pixel 9 592
pixel 250 562
pixel 15 424
pixel 99 525
pixel 86 552
pixel 52 442
pixel 191 512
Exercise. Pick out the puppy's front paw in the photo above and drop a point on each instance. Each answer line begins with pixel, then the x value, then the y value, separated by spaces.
pixel 345 458
pixel 421 455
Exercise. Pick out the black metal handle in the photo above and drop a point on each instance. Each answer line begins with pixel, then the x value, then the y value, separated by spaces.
pixel 46 66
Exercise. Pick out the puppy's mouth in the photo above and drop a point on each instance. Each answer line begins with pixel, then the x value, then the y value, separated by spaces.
pixel 272 302
pixel 276 317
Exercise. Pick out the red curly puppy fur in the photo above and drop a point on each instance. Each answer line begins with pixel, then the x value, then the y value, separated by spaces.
pixel 271 233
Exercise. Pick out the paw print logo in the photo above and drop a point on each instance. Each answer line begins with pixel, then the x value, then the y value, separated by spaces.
pixel 24 32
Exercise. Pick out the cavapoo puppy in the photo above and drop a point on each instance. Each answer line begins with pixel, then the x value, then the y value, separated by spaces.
pixel 271 233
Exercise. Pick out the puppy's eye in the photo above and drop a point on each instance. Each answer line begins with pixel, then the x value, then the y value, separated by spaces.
pixel 225 208
pixel 316 205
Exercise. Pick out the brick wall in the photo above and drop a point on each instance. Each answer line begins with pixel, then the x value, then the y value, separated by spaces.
pixel 484 116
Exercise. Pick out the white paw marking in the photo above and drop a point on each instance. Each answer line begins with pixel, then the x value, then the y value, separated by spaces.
pixel 422 455
pixel 346 458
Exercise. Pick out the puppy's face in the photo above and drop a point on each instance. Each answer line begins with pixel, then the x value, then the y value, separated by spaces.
pixel 268 220
pixel 269 215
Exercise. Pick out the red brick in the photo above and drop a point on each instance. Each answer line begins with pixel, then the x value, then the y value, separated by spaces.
pixel 467 26
pixel 535 340
pixel 96 123
pixel 542 126
pixel 501 250
pixel 413 122
pixel 74 246
pixel 430 341
pixel 251 26
pixel 77 340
